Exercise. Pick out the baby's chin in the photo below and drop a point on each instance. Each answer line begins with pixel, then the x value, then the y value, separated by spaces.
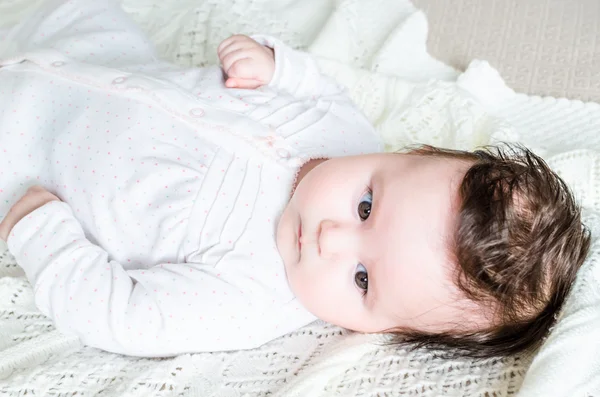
pixel 279 236
pixel 285 236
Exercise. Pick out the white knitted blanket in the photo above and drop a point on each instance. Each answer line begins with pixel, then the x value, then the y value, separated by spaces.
pixel 377 49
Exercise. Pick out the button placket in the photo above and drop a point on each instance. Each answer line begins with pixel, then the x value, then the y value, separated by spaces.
pixel 197 112
pixel 284 154
pixel 119 80
pixel 275 144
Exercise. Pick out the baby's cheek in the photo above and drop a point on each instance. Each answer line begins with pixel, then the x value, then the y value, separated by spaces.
pixel 305 289
pixel 320 293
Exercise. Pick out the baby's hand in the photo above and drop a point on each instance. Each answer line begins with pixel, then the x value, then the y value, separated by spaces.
pixel 247 63
pixel 35 197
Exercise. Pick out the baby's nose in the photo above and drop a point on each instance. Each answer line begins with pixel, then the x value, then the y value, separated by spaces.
pixel 335 239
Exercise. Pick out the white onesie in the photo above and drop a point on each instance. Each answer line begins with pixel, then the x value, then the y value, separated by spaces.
pixel 171 184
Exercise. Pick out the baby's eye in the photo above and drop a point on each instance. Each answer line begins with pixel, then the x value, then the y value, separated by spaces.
pixel 364 206
pixel 360 278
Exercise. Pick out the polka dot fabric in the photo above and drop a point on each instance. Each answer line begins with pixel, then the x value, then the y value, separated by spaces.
pixel 171 185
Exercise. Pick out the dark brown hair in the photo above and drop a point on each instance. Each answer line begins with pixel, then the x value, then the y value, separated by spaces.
pixel 518 244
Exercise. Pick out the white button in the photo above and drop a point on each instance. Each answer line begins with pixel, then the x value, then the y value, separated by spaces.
pixel 57 64
pixel 119 80
pixel 284 154
pixel 197 112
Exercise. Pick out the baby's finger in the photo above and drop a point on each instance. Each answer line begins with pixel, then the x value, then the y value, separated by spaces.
pixel 234 46
pixel 244 68
pixel 232 43
pixel 7 223
pixel 225 43
pixel 230 60
pixel 242 83
pixel 3 231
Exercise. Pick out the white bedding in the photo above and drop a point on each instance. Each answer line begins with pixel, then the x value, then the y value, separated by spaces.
pixel 377 49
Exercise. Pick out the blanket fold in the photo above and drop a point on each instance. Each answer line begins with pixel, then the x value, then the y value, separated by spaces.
pixel 377 49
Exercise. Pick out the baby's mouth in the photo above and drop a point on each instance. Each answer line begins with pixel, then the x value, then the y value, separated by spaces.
pixel 299 237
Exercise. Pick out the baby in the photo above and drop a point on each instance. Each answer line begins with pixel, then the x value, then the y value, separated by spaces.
pixel 159 210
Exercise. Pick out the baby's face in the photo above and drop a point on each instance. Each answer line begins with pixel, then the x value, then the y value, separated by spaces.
pixel 365 241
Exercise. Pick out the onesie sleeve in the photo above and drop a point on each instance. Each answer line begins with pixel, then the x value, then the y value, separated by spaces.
pixel 321 120
pixel 91 31
pixel 297 73
pixel 164 310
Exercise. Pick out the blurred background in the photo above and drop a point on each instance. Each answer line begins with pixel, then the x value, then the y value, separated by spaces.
pixel 541 47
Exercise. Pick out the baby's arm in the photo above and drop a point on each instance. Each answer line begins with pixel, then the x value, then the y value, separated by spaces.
pixel 250 62
pixel 318 103
pixel 165 310
pixel 297 73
